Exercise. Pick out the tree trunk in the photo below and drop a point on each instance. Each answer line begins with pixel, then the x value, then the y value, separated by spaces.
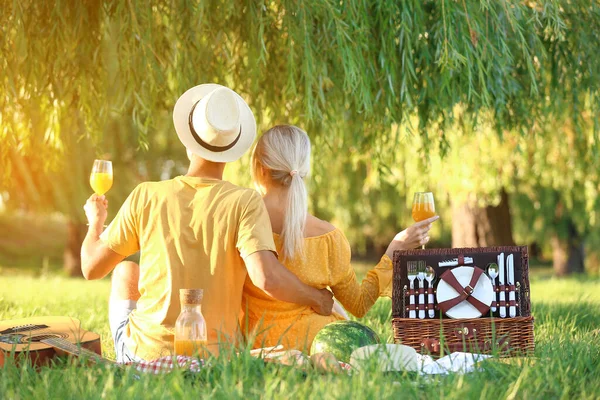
pixel 474 226
pixel 567 253
pixel 72 254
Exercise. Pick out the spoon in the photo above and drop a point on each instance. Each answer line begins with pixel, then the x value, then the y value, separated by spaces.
pixel 492 270
pixel 429 277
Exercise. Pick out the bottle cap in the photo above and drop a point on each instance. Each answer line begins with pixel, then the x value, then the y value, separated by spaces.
pixel 191 296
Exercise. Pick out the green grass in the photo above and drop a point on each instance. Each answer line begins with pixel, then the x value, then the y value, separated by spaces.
pixel 566 363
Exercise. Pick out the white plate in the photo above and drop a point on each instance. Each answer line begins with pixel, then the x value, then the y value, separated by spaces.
pixel 388 357
pixel 483 291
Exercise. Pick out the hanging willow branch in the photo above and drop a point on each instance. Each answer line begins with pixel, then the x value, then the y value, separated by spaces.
pixel 333 65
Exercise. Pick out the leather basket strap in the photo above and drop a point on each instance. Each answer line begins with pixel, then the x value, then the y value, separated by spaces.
pixel 464 293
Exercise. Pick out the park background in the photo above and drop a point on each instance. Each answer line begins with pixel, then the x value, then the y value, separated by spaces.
pixel 491 105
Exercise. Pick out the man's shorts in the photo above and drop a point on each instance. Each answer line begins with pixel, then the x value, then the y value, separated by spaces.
pixel 118 317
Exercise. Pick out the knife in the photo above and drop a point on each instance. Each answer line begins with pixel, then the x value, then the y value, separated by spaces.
pixel 454 261
pixel 512 310
pixel 502 302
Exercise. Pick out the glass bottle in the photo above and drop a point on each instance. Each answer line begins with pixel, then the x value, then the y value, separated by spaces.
pixel 190 327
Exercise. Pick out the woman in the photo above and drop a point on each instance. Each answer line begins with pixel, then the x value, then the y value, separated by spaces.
pixel 316 251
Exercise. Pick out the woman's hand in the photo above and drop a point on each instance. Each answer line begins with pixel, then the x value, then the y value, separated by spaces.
pixel 412 237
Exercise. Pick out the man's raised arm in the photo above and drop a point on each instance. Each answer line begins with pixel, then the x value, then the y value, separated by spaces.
pixel 97 260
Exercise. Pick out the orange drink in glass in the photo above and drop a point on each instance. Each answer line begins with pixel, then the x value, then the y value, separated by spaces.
pixel 423 207
pixel 101 178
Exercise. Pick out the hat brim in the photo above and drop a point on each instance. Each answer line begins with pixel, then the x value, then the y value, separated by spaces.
pixel 181 113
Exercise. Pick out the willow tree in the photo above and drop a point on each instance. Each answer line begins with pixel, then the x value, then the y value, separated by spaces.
pixel 348 71
pixel 542 188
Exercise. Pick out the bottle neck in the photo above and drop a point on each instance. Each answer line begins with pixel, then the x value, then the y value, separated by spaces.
pixel 191 307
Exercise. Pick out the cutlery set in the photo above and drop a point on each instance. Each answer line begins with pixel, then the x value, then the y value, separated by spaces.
pixel 416 270
pixel 505 272
pixel 421 299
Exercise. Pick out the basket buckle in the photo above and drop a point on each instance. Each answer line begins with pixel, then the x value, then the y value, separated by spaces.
pixel 468 290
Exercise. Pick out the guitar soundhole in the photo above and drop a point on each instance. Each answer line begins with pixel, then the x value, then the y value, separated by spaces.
pixel 39 338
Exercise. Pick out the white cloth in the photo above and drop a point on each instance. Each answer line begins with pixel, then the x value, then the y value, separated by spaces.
pixel 457 362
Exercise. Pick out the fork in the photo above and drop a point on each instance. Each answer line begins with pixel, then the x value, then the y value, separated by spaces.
pixel 430 277
pixel 411 267
pixel 421 278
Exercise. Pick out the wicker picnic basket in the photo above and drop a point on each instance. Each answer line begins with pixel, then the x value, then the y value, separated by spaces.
pixel 488 334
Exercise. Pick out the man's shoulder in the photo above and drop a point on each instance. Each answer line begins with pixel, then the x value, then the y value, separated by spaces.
pixel 152 186
pixel 225 192
pixel 243 194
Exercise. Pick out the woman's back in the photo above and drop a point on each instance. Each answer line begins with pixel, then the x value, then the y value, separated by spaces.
pixel 291 324
pixel 324 246
pixel 325 263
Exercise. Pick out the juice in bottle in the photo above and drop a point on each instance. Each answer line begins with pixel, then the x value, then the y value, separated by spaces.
pixel 190 327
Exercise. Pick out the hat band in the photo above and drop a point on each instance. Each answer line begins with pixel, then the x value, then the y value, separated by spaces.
pixel 207 146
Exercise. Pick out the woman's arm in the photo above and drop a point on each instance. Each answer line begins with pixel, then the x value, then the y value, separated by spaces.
pixel 359 298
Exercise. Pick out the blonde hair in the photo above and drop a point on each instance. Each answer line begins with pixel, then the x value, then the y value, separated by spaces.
pixel 283 152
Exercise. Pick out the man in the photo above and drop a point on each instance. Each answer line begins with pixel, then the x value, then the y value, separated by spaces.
pixel 193 231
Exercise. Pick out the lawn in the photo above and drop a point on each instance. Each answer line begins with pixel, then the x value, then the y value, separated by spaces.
pixel 566 363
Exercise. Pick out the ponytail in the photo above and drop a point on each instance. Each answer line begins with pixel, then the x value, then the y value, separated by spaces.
pixel 295 218
pixel 284 151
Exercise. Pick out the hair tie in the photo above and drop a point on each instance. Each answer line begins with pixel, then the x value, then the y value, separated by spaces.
pixel 293 172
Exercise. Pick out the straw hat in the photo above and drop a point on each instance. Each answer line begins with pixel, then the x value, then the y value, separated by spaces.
pixel 214 122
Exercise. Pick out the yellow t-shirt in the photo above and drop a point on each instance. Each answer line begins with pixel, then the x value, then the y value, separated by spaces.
pixel 192 233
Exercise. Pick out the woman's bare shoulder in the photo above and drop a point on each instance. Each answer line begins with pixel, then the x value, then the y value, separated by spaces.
pixel 317 227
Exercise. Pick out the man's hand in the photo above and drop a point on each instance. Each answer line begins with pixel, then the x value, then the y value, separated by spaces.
pixel 414 236
pixel 325 305
pixel 96 210
pixel 269 275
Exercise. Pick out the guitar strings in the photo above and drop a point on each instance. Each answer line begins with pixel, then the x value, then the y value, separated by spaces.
pixel 63 344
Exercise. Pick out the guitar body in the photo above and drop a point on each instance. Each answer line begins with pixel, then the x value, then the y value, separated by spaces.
pixel 42 338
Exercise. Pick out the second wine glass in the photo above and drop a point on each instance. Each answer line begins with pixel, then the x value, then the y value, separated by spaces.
pixel 423 207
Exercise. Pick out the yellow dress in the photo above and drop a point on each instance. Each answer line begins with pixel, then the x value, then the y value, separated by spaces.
pixel 325 263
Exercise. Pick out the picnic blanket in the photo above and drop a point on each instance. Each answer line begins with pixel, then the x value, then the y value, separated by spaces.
pixel 167 364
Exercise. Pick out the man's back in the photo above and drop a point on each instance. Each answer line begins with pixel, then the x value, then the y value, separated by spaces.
pixel 192 233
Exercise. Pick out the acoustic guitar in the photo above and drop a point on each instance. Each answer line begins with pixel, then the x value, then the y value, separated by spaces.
pixel 42 338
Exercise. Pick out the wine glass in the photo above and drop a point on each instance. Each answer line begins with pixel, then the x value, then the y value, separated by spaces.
pixel 423 207
pixel 101 178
